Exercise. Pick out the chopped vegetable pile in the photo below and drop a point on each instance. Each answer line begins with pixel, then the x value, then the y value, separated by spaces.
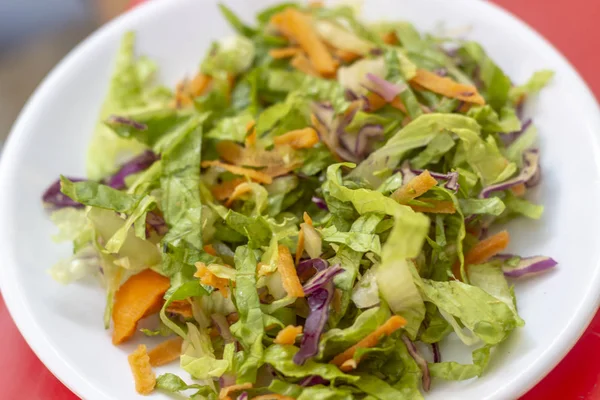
pixel 310 214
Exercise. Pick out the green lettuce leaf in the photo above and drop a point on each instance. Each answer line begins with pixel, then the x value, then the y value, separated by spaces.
pixel 397 75
pixel 492 206
pixel 236 22
pixel 180 291
pixel 316 392
pixel 233 55
pixel 519 206
pixel 537 82
pixel 281 357
pixel 526 140
pixel 198 356
pixel 377 388
pixel 249 330
pixel 507 121
pixel 453 371
pixel 147 203
pixel 357 241
pixel 231 128
pixel 128 89
pixel 435 150
pixel 98 195
pixel 479 311
pixel 419 133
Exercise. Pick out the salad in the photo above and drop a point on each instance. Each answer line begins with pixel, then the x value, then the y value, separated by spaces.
pixel 311 214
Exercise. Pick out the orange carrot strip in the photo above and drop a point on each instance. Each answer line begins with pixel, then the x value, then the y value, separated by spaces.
pixel 483 251
pixel 518 190
pixel 302 64
pixel 447 87
pixel 223 190
pixel 298 139
pixel 300 246
pixel 398 104
pixel 389 38
pixel 251 138
pixel 487 248
pixel 224 393
pixel 210 279
pixel 289 278
pixel 231 152
pixel 272 397
pixel 346 56
pixel 300 28
pixel 165 352
pixel 251 173
pixel 288 335
pixel 394 323
pixel 375 101
pixel 209 249
pixel 144 377
pixel 181 307
pixel 140 293
pixel 414 188
pixel 465 107
pixel 200 84
pixel 284 52
pixel 438 207
pixel 239 190
pixel 307 219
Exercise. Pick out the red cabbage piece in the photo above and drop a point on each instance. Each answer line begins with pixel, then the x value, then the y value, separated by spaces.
pixel 527 265
pixel 320 203
pixel 135 165
pixel 414 353
pixel 157 223
pixel 118 120
pixel 321 278
pixel 508 138
pixel 437 355
pixel 54 197
pixel 318 302
pixel 529 173
pixel 383 88
pixel 313 265
pixel 243 396
pixel 313 380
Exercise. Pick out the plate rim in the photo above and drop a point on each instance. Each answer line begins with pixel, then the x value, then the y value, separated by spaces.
pixel 51 357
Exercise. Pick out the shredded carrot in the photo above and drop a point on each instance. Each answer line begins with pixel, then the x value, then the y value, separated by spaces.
pixel 213 332
pixel 272 397
pixel 394 323
pixel 165 352
pixel 315 4
pixel 346 56
pixel 288 335
pixel 349 365
pixel 405 121
pixel 303 64
pixel 139 294
pixel 230 85
pixel 181 307
pixel 233 388
pixel 521 99
pixel 239 190
pixel 518 190
pixel 465 107
pixel 208 248
pixel 224 190
pixel 285 266
pixel 250 173
pixel 307 219
pixel 483 251
pixel 232 153
pixel 233 318
pixel 398 104
pixel 200 84
pixel 389 38
pixel 251 138
pixel 144 377
pixel 298 139
pixel 414 188
pixel 438 207
pixel 447 87
pixel 182 97
pixel 487 248
pixel 300 246
pixel 299 27
pixel 284 52
pixel 210 279
pixel 375 101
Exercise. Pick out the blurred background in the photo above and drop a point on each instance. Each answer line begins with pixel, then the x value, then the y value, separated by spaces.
pixel 34 36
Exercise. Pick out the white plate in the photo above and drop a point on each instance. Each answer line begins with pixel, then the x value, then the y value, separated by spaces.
pixel 63 325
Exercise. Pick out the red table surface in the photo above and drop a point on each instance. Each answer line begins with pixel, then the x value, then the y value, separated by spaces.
pixel 571 25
